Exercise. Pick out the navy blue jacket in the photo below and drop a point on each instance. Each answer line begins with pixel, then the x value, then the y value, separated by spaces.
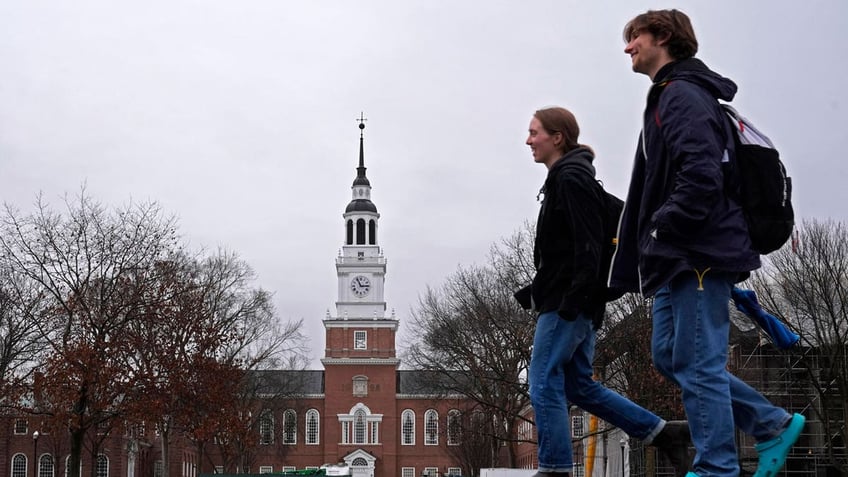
pixel 569 237
pixel 677 216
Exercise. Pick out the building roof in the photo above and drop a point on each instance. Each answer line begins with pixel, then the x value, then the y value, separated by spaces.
pixel 361 205
pixel 428 383
pixel 283 382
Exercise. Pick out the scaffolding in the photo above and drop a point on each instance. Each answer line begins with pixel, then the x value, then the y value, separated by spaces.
pixel 787 379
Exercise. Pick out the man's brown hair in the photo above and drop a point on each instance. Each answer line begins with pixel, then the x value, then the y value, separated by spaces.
pixel 669 26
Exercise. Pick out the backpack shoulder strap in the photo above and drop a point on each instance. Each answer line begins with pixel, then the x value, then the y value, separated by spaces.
pixel 747 133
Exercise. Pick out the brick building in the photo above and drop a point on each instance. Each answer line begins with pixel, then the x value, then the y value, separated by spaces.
pixel 361 409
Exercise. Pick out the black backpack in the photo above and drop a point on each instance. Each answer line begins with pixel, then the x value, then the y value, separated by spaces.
pixel 758 181
pixel 612 208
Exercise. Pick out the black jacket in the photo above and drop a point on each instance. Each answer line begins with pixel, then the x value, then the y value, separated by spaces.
pixel 677 216
pixel 569 235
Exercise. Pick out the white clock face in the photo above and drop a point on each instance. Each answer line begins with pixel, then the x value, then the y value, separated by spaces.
pixel 360 286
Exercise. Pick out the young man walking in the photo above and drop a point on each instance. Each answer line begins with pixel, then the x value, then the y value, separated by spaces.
pixel 685 242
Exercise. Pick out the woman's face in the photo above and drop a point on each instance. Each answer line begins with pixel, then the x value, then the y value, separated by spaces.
pixel 545 147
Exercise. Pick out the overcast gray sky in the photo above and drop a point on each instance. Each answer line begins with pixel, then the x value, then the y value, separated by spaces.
pixel 239 116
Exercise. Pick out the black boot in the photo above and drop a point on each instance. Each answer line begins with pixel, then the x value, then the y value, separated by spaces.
pixel 552 474
pixel 673 441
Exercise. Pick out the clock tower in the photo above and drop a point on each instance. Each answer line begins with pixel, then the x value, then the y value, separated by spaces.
pixel 360 329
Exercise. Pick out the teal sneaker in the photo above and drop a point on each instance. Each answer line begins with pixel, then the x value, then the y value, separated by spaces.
pixel 691 474
pixel 773 452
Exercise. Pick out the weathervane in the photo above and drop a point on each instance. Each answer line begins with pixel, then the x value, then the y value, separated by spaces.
pixel 361 120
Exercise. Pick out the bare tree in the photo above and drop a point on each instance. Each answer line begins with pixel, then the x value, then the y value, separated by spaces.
pixel 623 358
pixel 87 267
pixel 476 341
pixel 806 285
pixel 21 343
pixel 476 444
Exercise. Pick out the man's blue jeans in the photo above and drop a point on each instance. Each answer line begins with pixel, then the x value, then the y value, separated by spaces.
pixel 689 346
pixel 561 371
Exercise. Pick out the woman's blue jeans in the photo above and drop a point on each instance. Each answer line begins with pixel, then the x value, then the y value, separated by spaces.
pixel 689 346
pixel 561 371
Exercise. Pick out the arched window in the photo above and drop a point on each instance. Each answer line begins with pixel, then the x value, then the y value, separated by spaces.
pixel 68 465
pixel 360 232
pixel 359 462
pixel 102 466
pixel 266 427
pixel 290 427
pixel 372 232
pixel 359 427
pixel 454 427
pixel 349 233
pixel 312 433
pixel 19 466
pixel 45 466
pixel 131 461
pixel 407 428
pixel 431 428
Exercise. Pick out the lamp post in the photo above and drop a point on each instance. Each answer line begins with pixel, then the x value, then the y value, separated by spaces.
pixel 622 442
pixel 35 454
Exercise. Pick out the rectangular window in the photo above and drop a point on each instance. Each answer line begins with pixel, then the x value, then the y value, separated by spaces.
pixel 21 426
pixel 266 469
pixel 158 469
pixel 431 471
pixel 360 340
pixel 579 471
pixel 346 432
pixel 454 471
pixel 375 432
pixel 407 472
pixel 577 426
pixel 289 468
pixel 219 469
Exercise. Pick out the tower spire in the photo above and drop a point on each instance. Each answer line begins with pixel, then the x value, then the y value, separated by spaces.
pixel 360 171
pixel 361 266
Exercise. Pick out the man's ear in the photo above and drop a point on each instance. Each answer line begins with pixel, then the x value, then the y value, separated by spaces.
pixel 662 39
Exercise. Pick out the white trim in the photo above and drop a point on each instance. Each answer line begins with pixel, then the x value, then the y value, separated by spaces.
pixel 428 397
pixel 358 361
pixel 379 322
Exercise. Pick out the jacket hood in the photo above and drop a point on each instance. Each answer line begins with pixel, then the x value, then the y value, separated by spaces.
pixel 580 153
pixel 695 71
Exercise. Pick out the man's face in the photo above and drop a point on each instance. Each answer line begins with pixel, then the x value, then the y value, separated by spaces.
pixel 646 54
pixel 542 144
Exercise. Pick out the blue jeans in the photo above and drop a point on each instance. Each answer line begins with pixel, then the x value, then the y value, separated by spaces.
pixel 689 346
pixel 561 371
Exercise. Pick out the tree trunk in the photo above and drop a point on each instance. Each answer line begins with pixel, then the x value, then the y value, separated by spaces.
pixel 76 453
pixel 165 440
